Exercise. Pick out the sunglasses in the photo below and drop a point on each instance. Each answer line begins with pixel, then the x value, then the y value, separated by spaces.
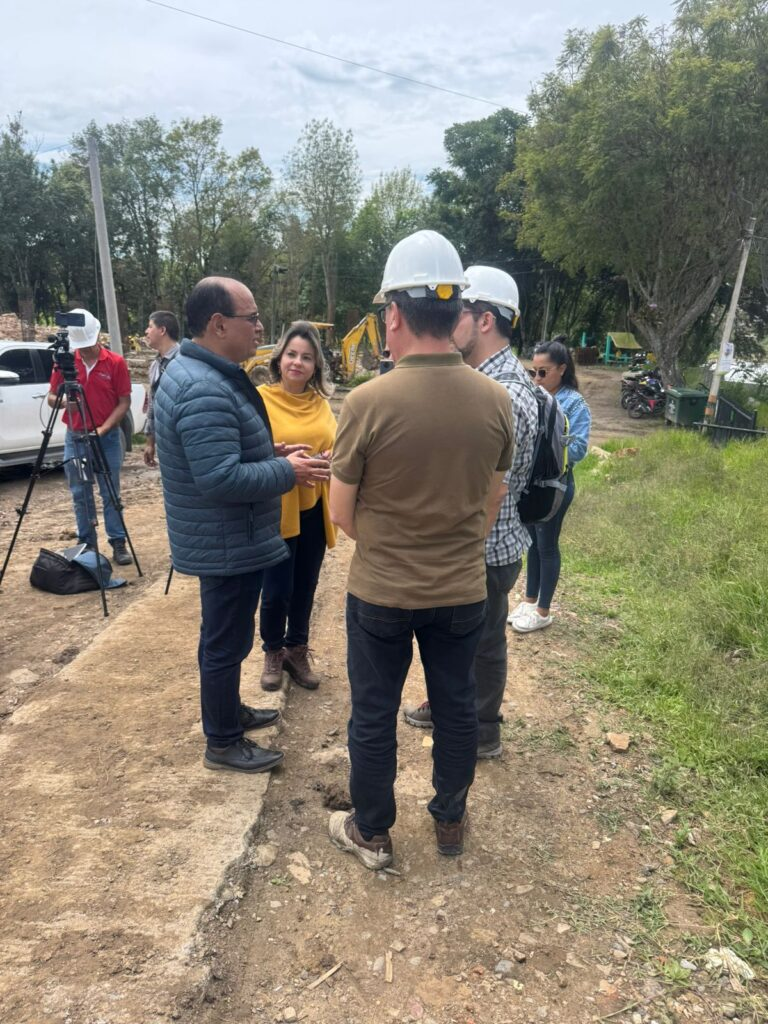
pixel 541 372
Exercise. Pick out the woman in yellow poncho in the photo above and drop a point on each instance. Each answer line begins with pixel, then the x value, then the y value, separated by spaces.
pixel 297 403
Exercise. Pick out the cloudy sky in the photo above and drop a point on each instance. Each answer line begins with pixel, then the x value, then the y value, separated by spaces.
pixel 64 64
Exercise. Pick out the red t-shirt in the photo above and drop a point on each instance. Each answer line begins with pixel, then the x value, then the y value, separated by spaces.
pixel 107 382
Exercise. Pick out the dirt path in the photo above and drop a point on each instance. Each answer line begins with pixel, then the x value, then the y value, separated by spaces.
pixel 549 915
pixel 556 912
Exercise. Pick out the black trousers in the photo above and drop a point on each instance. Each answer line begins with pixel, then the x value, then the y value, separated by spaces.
pixel 228 606
pixel 489 669
pixel 379 653
pixel 288 590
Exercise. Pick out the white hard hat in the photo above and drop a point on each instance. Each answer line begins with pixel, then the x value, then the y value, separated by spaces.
pixel 488 284
pixel 84 337
pixel 420 264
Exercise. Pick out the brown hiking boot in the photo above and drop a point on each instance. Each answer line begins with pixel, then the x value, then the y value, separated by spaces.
pixel 272 676
pixel 375 853
pixel 296 664
pixel 450 836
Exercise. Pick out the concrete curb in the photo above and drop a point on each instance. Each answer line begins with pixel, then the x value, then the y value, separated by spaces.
pixel 116 839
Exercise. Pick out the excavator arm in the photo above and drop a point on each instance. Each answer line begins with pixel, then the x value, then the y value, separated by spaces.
pixel 366 331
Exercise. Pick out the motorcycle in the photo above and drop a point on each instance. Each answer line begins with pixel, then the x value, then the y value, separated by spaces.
pixel 648 399
pixel 632 383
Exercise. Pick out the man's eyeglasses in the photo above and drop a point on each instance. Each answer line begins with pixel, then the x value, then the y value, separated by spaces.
pixel 541 372
pixel 381 315
pixel 252 318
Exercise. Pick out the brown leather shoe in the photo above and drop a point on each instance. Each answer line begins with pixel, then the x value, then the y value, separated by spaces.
pixel 296 664
pixel 272 676
pixel 450 836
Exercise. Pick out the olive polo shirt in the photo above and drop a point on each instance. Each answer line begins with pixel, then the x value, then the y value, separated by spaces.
pixel 422 443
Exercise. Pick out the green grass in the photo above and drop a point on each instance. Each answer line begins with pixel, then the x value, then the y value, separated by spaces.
pixel 672 546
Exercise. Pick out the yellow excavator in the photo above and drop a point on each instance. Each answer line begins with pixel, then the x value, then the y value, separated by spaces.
pixel 363 345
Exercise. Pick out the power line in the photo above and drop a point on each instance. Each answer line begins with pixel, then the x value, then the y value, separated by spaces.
pixel 320 53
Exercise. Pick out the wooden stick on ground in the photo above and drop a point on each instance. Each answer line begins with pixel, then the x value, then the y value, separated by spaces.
pixel 324 977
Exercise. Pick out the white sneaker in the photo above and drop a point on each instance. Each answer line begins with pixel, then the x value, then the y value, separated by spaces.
pixel 531 622
pixel 522 610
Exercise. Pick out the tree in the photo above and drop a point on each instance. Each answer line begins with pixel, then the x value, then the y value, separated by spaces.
pixel 323 178
pixel 24 222
pixel 138 179
pixel 476 202
pixel 73 279
pixel 647 152
pixel 396 207
pixel 218 199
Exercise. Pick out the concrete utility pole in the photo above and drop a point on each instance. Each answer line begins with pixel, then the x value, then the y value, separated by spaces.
pixel 720 369
pixel 276 269
pixel 110 302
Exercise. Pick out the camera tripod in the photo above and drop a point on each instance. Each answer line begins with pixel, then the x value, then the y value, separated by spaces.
pixel 88 464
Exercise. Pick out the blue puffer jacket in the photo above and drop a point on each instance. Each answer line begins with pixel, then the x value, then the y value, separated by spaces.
pixel 221 480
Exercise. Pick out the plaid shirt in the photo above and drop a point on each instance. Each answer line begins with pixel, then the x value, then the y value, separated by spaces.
pixel 509 539
pixel 156 370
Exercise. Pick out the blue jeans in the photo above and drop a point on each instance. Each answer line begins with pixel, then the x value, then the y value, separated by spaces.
pixel 379 654
pixel 289 587
pixel 543 570
pixel 82 493
pixel 227 628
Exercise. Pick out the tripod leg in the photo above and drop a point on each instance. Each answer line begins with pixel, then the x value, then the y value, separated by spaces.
pixel 35 476
pixel 100 574
pixel 109 489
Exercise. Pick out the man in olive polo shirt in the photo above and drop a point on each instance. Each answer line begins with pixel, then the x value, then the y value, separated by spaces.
pixel 419 455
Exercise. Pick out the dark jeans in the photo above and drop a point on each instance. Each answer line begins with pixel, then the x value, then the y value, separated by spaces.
pixel 544 554
pixel 227 628
pixel 489 668
pixel 379 653
pixel 289 587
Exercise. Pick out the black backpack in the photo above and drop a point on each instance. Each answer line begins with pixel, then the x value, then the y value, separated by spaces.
pixel 72 571
pixel 547 478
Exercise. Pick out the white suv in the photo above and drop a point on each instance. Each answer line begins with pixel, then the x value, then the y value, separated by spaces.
pixel 25 370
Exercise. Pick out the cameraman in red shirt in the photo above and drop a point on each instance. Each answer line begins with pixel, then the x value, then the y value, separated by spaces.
pixel 106 385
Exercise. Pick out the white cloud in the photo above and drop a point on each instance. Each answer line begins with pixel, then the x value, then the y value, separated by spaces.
pixel 64 65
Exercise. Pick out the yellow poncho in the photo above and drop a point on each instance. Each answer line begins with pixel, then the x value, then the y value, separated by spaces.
pixel 301 419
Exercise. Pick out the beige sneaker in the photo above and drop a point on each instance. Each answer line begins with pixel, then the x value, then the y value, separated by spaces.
pixel 374 853
pixel 272 676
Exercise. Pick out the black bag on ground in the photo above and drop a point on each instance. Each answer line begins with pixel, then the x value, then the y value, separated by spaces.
pixel 548 476
pixel 72 571
pixel 56 574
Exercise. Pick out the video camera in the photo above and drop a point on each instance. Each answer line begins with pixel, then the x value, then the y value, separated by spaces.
pixel 62 357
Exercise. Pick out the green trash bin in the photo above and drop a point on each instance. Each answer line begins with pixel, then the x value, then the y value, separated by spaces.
pixel 685 406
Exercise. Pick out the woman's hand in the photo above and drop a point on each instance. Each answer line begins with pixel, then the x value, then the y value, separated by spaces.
pixel 282 451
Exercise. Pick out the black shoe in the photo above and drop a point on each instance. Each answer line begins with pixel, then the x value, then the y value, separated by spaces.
pixel 257 718
pixel 243 756
pixel 489 751
pixel 120 553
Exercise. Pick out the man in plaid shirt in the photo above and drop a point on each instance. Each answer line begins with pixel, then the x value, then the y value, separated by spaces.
pixel 483 337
